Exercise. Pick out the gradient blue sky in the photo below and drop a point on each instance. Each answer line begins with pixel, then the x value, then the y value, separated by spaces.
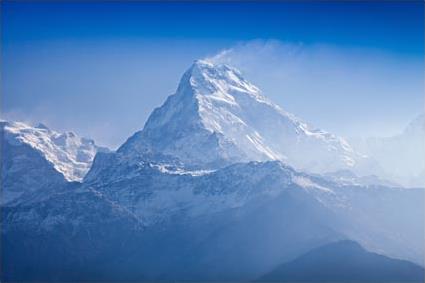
pixel 353 68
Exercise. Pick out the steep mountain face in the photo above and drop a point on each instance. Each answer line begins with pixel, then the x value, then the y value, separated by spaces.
pixel 36 157
pixel 345 261
pixel 216 118
pixel 400 156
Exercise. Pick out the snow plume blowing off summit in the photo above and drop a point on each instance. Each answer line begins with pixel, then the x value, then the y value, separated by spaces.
pixel 216 118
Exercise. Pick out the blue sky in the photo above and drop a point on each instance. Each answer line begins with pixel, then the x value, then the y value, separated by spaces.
pixel 353 68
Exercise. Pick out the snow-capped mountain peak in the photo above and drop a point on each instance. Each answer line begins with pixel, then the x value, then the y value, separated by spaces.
pixel 216 117
pixel 69 154
pixel 218 81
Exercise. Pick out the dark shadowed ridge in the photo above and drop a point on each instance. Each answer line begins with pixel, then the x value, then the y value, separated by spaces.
pixel 345 261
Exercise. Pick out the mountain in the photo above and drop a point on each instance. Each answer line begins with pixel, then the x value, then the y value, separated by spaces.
pixel 205 192
pixel 156 192
pixel 161 223
pixel 197 142
pixel 400 156
pixel 60 235
pixel 37 157
pixel 166 225
pixel 345 261
pixel 217 118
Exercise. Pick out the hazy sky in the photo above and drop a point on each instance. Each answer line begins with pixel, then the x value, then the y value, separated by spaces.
pixel 355 69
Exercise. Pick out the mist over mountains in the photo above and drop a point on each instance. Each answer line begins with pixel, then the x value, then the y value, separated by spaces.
pixel 400 156
pixel 221 184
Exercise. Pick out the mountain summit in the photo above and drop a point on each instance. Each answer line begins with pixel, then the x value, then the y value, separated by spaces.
pixel 216 118
pixel 36 158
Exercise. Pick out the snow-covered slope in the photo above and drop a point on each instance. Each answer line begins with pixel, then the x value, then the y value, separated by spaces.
pixel 70 154
pixel 216 118
pixel 38 158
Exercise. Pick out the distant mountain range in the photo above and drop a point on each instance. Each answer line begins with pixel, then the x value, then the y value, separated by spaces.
pixel 220 185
